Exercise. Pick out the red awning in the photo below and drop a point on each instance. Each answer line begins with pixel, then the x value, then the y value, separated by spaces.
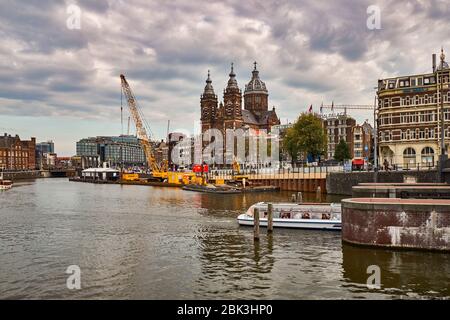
pixel 198 168
pixel 358 162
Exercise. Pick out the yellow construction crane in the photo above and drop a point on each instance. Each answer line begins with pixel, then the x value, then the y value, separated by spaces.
pixel 159 172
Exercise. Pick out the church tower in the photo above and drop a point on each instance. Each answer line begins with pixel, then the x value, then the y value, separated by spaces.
pixel 256 94
pixel 208 105
pixel 232 100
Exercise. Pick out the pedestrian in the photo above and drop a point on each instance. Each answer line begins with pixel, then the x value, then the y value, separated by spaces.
pixel 386 165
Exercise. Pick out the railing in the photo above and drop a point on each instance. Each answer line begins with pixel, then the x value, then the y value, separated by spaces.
pixel 408 167
pixel 270 173
pixel 312 172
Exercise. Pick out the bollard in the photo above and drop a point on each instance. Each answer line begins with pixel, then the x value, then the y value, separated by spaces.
pixel 256 224
pixel 269 218
pixel 299 197
pixel 318 194
pixel 293 198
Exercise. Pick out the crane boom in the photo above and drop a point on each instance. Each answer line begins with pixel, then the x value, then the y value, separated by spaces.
pixel 348 106
pixel 141 132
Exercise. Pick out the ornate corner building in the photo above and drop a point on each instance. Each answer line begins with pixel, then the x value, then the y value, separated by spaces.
pixel 229 113
pixel 410 111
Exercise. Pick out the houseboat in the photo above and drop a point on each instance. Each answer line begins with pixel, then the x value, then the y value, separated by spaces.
pixel 5 184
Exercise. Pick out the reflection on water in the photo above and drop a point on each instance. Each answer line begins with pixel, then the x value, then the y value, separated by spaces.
pixel 403 273
pixel 161 243
pixel 234 266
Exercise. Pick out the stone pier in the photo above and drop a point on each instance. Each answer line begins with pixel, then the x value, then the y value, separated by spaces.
pixel 397 223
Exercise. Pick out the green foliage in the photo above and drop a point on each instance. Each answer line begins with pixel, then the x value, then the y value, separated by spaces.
pixel 342 151
pixel 307 136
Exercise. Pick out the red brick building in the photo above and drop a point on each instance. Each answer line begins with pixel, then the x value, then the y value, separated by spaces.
pixel 229 113
pixel 338 127
pixel 362 143
pixel 16 154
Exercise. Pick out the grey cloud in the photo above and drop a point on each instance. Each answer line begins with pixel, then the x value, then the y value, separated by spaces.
pixel 307 51
pixel 98 6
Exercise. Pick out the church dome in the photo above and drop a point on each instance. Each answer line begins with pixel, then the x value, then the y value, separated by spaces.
pixel 255 84
pixel 209 90
pixel 232 83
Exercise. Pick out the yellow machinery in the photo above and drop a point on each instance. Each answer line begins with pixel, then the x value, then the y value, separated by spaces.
pixel 219 182
pixel 183 178
pixel 141 132
pixel 159 171
pixel 237 172
pixel 130 176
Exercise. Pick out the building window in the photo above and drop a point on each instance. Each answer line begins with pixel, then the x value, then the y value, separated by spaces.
pixel 409 157
pixel 428 156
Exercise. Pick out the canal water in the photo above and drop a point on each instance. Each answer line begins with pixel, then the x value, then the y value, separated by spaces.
pixel 137 242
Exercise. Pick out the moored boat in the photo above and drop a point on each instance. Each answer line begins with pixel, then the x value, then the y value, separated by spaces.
pixel 5 184
pixel 323 216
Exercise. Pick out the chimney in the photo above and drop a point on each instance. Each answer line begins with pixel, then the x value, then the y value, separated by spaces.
pixel 434 62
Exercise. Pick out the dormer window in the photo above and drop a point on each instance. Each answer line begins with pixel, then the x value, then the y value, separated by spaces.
pixel 404 83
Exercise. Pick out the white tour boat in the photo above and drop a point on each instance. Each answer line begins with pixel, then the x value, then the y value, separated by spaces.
pixel 323 216
pixel 5 184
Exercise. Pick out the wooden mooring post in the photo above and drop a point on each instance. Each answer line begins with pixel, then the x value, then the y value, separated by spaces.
pixel 269 218
pixel 293 198
pixel 256 224
pixel 299 197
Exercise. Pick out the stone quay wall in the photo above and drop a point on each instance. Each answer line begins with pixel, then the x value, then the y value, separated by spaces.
pixel 397 223
pixel 342 182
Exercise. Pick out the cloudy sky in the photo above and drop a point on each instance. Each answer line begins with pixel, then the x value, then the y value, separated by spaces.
pixel 63 84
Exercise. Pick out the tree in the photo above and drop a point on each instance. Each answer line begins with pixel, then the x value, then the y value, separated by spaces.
pixel 342 151
pixel 306 137
pixel 290 144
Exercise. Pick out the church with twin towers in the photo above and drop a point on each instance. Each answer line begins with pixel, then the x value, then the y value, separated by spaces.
pixel 229 114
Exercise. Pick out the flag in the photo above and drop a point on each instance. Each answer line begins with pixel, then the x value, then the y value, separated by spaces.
pixel 310 109
pixel 321 107
pixel 332 106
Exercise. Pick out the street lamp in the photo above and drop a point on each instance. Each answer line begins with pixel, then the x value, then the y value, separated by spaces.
pixel 439 88
pixel 375 139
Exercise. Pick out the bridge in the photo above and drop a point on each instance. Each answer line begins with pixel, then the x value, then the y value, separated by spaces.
pixel 58 172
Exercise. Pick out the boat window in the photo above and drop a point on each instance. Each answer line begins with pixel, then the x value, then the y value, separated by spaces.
pixel 326 216
pixel 306 215
pixel 285 215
